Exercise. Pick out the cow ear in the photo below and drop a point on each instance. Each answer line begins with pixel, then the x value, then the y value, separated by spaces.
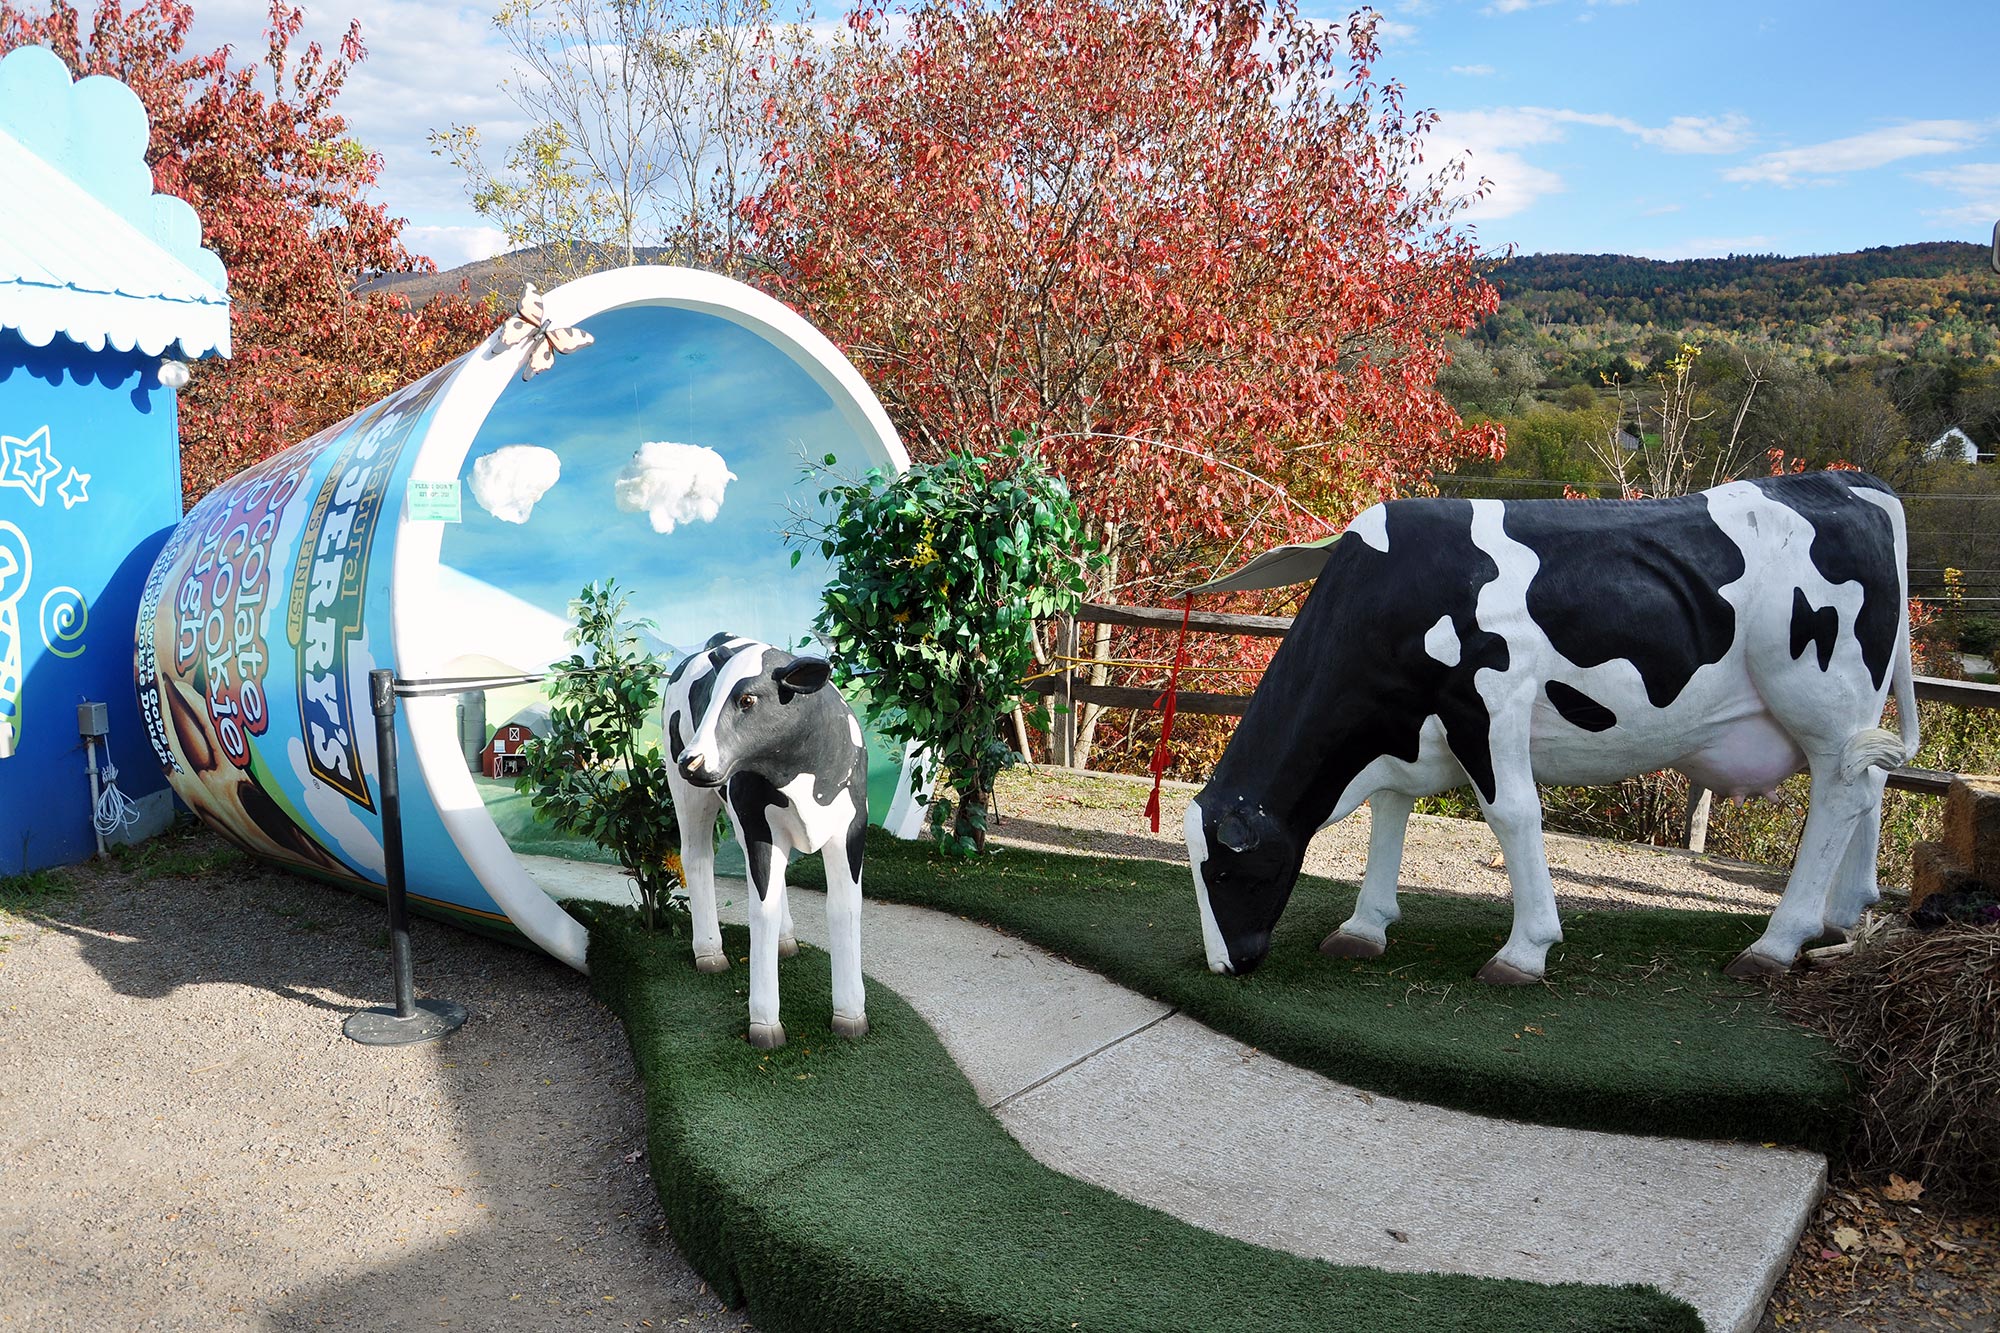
pixel 803 675
pixel 1235 833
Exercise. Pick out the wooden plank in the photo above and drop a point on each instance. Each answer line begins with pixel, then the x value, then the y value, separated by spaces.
pixel 1964 693
pixel 1127 696
pixel 1923 781
pixel 1168 618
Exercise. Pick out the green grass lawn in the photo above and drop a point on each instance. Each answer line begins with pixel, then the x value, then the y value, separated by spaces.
pixel 835 1185
pixel 1636 1030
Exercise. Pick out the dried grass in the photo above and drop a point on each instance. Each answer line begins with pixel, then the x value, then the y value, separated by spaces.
pixel 1919 1015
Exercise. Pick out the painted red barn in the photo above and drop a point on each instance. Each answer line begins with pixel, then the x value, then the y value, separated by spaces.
pixel 502 756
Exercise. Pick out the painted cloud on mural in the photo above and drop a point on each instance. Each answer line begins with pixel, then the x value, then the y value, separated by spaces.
pixel 507 482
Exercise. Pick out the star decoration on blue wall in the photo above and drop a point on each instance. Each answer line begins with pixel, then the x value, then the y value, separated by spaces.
pixel 75 489
pixel 28 464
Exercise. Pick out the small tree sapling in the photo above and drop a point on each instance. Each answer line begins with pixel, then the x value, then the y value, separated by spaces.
pixel 940 575
pixel 590 776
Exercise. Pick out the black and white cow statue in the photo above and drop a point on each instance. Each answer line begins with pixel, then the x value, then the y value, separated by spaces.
pixel 1738 635
pixel 760 730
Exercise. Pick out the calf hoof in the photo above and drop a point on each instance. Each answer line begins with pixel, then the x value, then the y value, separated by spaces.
pixel 787 947
pixel 1500 973
pixel 1340 944
pixel 843 1026
pixel 767 1036
pixel 711 962
pixel 1753 966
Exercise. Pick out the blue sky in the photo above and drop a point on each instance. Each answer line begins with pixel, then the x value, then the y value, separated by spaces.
pixel 1633 126
pixel 660 374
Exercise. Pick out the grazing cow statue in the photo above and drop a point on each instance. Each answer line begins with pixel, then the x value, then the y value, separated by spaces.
pixel 1738 635
pixel 756 728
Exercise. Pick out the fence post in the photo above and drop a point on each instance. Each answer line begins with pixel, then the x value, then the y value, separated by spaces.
pixel 1066 724
pixel 409 1019
pixel 1699 799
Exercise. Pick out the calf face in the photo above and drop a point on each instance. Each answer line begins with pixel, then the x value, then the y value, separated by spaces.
pixel 1246 863
pixel 749 722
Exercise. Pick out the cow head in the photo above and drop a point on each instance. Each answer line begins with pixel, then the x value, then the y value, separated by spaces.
pixel 751 720
pixel 1246 861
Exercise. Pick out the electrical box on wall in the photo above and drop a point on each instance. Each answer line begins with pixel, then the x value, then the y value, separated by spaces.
pixel 93 720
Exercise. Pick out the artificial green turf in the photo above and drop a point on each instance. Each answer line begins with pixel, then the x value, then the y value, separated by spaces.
pixel 836 1185
pixel 1636 1029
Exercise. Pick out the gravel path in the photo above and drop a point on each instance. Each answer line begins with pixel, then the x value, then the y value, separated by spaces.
pixel 188 1142
pixel 1104 814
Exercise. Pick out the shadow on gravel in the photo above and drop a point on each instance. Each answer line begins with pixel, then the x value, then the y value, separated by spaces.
pixel 495 1179
pixel 1057 838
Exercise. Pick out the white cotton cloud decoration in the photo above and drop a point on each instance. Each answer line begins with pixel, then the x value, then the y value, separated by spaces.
pixel 672 484
pixel 507 482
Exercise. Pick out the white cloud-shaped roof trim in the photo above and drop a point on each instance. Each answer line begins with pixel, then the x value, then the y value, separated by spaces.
pixel 87 250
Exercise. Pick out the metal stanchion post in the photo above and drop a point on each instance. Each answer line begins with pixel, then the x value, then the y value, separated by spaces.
pixel 409 1019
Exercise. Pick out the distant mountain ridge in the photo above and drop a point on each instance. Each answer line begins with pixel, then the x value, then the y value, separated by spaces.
pixel 1886 298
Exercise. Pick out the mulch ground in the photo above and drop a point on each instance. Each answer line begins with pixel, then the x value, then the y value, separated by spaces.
pixel 1880 1257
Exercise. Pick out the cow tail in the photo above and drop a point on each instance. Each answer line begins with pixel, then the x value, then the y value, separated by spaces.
pixel 1906 692
pixel 1878 747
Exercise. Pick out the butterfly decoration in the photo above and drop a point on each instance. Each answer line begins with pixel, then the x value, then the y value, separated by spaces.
pixel 544 340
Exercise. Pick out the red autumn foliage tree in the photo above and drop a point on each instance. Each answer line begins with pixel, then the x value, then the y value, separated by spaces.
pixel 260 153
pixel 1200 223
pixel 1190 245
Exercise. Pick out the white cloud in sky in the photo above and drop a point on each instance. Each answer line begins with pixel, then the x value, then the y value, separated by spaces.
pixel 450 247
pixel 1814 163
pixel 430 64
pixel 1495 137
pixel 1977 184
pixel 1472 71
pixel 673 483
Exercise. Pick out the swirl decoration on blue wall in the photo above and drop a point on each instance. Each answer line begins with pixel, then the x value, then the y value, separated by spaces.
pixel 65 616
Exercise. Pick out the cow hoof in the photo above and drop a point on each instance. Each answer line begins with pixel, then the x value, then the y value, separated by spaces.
pixel 1340 944
pixel 711 962
pixel 1499 973
pixel 843 1026
pixel 787 947
pixel 767 1036
pixel 1753 966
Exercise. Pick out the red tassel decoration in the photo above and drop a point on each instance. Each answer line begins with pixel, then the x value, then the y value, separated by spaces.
pixel 1161 755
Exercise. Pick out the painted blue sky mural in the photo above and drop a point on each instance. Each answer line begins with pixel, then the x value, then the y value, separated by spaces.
pixel 657 373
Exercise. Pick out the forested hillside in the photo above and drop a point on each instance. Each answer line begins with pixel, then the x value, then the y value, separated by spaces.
pixel 1937 298
pixel 1610 372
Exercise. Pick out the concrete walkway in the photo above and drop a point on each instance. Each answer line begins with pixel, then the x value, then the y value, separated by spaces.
pixel 1108 1086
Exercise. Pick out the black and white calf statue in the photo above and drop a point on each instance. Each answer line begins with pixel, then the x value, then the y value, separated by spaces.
pixel 1738 635
pixel 760 730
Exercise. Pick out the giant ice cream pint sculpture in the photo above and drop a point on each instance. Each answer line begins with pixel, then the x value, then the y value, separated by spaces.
pixel 440 533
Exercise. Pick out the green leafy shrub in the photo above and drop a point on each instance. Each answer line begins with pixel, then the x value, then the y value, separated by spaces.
pixel 588 776
pixel 939 577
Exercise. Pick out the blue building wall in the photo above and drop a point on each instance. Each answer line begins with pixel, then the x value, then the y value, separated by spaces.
pixel 89 489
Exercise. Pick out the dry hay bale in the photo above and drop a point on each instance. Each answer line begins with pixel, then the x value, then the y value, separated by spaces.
pixel 1919 1015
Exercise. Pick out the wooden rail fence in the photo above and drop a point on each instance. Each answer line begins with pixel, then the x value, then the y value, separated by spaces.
pixel 1072 688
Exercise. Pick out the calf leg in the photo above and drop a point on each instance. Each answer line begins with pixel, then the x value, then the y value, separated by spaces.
pixel 695 808
pixel 788 940
pixel 842 857
pixel 1515 817
pixel 1854 886
pixel 1365 934
pixel 766 909
pixel 1838 804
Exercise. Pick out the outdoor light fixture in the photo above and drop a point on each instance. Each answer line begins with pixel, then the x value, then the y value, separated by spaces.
pixel 173 374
